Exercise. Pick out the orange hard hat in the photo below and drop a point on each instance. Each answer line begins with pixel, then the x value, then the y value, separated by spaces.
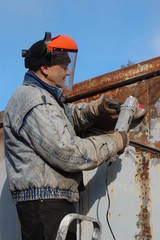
pixel 62 42
pixel 45 51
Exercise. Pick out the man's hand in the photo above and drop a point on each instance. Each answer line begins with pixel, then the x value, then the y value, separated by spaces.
pixel 121 139
pixel 103 105
pixel 106 104
pixel 125 138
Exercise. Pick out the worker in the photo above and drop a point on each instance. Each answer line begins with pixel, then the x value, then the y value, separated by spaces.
pixel 45 155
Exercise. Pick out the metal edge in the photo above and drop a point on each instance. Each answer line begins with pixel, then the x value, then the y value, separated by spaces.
pixel 115 79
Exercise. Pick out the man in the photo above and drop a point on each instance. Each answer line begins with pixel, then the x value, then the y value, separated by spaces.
pixel 44 156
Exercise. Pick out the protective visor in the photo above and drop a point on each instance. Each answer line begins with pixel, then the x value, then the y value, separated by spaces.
pixel 71 67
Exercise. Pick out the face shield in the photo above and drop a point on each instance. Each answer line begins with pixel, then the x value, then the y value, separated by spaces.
pixel 67 49
pixel 71 67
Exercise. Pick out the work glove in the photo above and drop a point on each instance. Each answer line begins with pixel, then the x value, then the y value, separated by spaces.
pixel 121 139
pixel 103 105
pixel 106 105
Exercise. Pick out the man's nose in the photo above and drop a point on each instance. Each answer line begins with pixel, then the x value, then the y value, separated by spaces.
pixel 68 73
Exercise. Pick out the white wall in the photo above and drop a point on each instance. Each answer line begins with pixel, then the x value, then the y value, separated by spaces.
pixel 9 223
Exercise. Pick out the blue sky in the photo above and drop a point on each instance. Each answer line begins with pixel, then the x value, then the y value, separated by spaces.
pixel 108 34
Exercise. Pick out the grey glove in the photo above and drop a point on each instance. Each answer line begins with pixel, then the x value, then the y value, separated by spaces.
pixel 106 104
pixel 125 139
pixel 103 105
pixel 121 139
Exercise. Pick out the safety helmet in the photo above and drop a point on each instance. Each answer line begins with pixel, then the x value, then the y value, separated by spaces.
pixel 61 49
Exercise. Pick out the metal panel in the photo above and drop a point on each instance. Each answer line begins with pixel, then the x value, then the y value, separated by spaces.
pixel 9 223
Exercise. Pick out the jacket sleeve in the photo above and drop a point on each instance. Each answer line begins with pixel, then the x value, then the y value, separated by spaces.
pixel 50 134
pixel 83 115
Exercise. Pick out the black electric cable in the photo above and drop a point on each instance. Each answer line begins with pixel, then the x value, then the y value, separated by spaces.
pixel 109 203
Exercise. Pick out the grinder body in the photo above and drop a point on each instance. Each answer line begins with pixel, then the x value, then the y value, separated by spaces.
pixel 129 109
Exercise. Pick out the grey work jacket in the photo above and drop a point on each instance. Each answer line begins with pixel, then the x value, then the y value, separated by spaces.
pixel 44 156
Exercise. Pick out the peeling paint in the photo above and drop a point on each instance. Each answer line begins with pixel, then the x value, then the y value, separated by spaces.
pixel 155 131
pixel 157 107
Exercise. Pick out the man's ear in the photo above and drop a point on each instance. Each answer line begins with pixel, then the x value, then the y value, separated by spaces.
pixel 44 70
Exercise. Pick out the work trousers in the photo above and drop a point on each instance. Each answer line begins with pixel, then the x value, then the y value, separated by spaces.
pixel 40 219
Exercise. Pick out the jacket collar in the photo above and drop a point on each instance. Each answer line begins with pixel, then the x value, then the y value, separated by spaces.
pixel 32 79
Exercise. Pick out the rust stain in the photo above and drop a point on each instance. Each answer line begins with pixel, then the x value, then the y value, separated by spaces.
pixel 112 190
pixel 142 178
pixel 143 224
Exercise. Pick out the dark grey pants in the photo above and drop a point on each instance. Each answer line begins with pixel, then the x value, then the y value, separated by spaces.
pixel 40 219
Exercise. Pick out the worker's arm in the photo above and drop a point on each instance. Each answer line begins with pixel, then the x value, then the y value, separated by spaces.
pixel 49 133
pixel 84 114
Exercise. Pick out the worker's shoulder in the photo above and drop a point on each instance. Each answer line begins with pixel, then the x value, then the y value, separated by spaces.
pixel 25 99
pixel 27 96
pixel 30 93
pixel 28 90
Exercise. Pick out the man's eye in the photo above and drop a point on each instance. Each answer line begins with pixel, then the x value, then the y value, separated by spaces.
pixel 65 67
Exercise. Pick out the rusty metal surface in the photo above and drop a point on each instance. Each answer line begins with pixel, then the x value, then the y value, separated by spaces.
pixel 106 82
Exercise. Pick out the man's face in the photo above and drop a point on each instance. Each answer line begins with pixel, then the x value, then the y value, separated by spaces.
pixel 57 74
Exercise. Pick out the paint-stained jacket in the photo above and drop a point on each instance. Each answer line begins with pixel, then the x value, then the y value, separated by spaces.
pixel 44 156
